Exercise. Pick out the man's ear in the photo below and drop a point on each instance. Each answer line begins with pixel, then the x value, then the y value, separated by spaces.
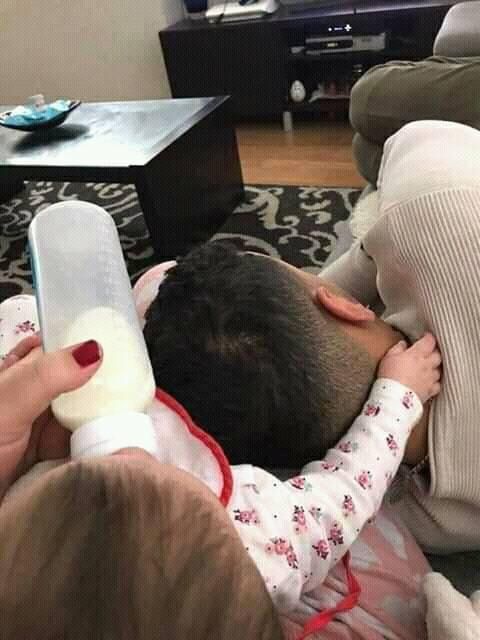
pixel 342 308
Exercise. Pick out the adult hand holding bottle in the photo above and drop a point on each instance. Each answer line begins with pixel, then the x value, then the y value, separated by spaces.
pixel 29 380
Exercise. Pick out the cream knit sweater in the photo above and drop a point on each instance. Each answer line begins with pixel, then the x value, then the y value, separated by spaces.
pixel 422 255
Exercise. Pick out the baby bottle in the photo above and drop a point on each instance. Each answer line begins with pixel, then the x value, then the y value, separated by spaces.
pixel 83 292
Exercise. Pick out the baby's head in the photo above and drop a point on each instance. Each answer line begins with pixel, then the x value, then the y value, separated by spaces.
pixel 124 547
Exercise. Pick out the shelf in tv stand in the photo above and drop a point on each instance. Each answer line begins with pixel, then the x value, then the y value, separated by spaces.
pixel 325 103
pixel 340 56
pixel 357 56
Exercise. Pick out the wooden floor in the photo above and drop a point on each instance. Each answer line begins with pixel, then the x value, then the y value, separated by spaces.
pixel 317 154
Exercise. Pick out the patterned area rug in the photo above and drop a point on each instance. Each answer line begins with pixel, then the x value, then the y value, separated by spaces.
pixel 304 225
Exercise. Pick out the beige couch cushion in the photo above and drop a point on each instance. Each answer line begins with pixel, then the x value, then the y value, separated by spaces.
pixel 460 31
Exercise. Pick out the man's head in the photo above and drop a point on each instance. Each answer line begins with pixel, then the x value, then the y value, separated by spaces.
pixel 265 361
pixel 128 549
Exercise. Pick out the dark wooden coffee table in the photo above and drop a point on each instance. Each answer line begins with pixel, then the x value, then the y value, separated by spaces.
pixel 181 155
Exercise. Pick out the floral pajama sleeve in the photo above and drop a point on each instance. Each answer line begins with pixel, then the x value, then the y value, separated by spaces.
pixel 18 320
pixel 297 531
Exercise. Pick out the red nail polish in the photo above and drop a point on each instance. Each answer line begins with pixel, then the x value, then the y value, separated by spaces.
pixel 87 353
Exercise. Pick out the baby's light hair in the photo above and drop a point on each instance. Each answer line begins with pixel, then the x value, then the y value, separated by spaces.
pixel 126 548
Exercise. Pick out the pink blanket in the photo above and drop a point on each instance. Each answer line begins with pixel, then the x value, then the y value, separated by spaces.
pixel 389 565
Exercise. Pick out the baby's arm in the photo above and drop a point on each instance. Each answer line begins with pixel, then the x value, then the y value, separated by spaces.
pixel 297 530
pixel 18 319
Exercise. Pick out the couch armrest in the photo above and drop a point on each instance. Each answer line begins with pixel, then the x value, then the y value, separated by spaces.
pixel 459 34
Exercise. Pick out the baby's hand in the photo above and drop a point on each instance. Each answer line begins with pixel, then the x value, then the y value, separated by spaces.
pixel 417 367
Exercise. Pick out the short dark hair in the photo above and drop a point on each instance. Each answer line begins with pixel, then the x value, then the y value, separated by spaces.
pixel 238 341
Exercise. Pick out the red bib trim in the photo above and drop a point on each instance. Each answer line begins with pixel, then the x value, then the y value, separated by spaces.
pixel 320 621
pixel 206 439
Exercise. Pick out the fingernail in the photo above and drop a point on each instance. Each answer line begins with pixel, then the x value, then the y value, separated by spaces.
pixel 87 353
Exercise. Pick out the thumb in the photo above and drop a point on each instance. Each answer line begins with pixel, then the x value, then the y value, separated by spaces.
pixel 400 347
pixel 30 385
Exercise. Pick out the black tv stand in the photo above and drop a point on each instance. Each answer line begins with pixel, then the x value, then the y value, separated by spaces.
pixel 255 61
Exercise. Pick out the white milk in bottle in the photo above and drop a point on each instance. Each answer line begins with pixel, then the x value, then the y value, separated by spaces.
pixel 84 293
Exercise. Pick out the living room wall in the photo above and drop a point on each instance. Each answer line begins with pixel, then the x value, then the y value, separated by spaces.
pixel 86 49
